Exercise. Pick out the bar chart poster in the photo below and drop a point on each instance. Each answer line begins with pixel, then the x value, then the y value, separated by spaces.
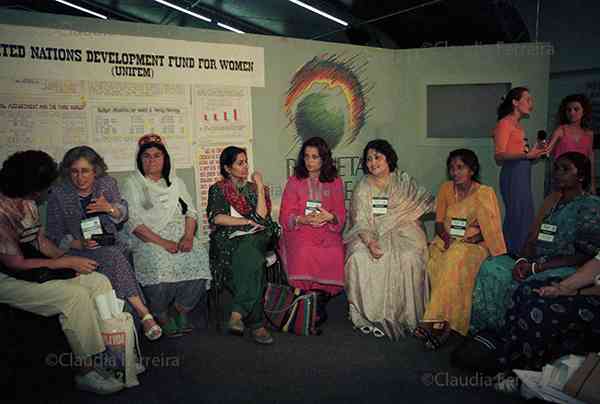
pixel 222 113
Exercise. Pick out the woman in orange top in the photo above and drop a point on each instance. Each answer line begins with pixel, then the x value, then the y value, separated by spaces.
pixel 512 152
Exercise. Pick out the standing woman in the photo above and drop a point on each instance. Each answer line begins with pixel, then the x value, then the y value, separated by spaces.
pixel 386 254
pixel 170 262
pixel 236 204
pixel 574 132
pixel 512 152
pixel 312 217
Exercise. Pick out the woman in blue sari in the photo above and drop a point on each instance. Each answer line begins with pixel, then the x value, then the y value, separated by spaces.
pixel 565 235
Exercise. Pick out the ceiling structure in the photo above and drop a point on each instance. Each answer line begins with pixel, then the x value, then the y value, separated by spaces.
pixel 396 24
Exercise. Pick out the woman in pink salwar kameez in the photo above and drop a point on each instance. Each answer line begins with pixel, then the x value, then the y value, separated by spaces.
pixel 312 217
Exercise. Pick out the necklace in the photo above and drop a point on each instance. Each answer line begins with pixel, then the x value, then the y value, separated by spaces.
pixel 466 193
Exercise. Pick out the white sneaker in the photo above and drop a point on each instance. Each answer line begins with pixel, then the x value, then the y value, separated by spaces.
pixel 94 383
pixel 507 384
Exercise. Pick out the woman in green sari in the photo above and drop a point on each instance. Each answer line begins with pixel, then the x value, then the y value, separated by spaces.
pixel 566 234
pixel 234 204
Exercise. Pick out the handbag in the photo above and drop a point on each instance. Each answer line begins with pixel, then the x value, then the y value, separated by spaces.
pixel 38 275
pixel 122 347
pixel 291 309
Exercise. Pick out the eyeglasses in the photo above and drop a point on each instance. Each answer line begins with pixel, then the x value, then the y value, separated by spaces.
pixel 150 138
pixel 82 172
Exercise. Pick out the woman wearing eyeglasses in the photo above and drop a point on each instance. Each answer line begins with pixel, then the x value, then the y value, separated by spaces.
pixel 83 213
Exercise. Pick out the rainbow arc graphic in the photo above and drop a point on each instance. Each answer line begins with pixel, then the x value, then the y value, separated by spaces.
pixel 330 72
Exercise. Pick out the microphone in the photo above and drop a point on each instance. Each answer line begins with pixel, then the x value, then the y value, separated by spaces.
pixel 541 141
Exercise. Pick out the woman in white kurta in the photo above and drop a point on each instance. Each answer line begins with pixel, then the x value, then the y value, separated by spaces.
pixel 386 253
pixel 170 262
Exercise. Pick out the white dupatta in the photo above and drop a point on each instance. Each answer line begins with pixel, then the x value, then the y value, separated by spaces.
pixel 153 204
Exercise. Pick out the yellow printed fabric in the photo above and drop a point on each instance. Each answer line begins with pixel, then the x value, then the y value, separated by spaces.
pixel 453 272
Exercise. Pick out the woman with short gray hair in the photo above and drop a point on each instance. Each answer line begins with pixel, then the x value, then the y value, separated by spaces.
pixel 83 211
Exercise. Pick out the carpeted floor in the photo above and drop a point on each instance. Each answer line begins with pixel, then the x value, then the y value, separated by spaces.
pixel 340 366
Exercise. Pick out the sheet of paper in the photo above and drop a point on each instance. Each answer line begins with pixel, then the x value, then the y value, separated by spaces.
pixel 240 233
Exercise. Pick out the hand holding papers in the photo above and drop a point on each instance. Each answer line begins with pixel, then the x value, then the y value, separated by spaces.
pixel 254 229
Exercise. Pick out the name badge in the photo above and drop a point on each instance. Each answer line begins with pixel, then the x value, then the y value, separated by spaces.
pixel 458 227
pixel 234 213
pixel 379 205
pixel 547 232
pixel 312 206
pixel 91 226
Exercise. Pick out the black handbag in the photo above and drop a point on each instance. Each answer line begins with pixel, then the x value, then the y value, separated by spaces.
pixel 37 275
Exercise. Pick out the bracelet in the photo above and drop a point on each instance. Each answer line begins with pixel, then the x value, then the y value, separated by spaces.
pixel 533 265
pixel 521 260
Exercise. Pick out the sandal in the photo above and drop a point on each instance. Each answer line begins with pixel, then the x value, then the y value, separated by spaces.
pixel 377 333
pixel 183 323
pixel 434 334
pixel 171 330
pixel 365 329
pixel 262 336
pixel 421 333
pixel 154 332
pixel 236 327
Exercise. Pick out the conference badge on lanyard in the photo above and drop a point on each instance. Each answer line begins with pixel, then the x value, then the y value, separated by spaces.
pixel 547 232
pixel 91 226
pixel 458 227
pixel 379 205
pixel 312 206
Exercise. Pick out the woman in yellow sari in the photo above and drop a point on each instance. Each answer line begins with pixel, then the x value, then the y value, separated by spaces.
pixel 468 230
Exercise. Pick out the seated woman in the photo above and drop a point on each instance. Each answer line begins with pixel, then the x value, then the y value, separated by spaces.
pixel 551 318
pixel 170 263
pixel 88 199
pixel 235 204
pixel 312 217
pixel 563 237
pixel 24 177
pixel 386 254
pixel 468 229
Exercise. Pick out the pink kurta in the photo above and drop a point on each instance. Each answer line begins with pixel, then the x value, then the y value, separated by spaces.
pixel 314 255
pixel 567 143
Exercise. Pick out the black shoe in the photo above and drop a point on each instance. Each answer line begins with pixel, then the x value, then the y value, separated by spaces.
pixel 322 300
